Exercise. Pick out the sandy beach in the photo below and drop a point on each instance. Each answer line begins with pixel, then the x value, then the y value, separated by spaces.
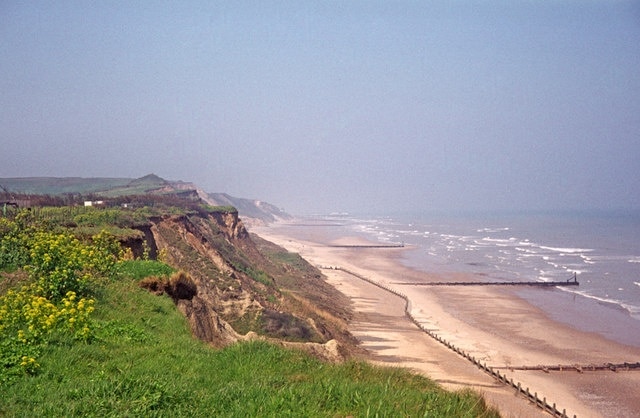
pixel 492 324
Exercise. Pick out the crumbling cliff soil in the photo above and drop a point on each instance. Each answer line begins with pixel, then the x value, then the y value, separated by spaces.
pixel 246 287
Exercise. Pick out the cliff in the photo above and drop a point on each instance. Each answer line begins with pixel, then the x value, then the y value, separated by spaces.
pixel 256 210
pixel 242 292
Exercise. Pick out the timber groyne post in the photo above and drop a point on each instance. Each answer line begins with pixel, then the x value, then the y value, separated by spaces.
pixel 502 378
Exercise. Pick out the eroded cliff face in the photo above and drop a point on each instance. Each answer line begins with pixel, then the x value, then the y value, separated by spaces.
pixel 230 225
pixel 237 296
pixel 191 244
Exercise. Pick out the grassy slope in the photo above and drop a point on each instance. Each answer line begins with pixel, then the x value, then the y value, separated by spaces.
pixel 145 363
pixel 104 186
pixel 61 185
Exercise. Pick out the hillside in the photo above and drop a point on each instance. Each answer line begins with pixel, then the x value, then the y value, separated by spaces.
pixel 249 208
pixel 60 185
pixel 151 184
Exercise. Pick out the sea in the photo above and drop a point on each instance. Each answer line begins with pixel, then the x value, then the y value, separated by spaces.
pixel 601 250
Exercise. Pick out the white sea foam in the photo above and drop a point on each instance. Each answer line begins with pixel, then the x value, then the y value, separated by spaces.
pixel 492 229
pixel 567 250
pixel 587 260
pixel 450 236
pixel 528 251
pixel 499 240
pixel 633 310
pixel 578 272
pixel 530 256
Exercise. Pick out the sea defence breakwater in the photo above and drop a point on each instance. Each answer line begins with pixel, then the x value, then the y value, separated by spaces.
pixel 498 373
pixel 528 283
pixel 502 325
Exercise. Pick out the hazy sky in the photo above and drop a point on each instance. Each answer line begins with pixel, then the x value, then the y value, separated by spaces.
pixel 332 105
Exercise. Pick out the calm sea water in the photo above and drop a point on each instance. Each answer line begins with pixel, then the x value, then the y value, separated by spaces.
pixel 601 249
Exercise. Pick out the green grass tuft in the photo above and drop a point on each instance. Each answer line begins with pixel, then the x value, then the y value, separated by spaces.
pixel 139 269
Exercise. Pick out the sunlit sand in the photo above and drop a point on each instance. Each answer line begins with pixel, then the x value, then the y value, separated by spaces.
pixel 491 324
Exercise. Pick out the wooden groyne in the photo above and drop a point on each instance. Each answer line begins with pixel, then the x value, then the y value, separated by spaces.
pixel 493 371
pixel 580 368
pixel 367 246
pixel 313 224
pixel 542 284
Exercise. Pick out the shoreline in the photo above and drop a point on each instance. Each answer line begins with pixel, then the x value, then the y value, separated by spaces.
pixel 496 326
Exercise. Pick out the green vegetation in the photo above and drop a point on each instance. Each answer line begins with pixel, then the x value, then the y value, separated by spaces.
pixel 53 303
pixel 220 209
pixel 144 362
pixel 80 337
pixel 95 216
pixel 59 186
pixel 139 269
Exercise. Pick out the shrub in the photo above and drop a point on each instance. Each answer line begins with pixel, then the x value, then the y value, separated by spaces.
pixel 55 304
pixel 57 262
pixel 29 321
pixel 13 248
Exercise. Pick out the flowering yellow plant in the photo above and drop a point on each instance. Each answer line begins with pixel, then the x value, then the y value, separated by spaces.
pixel 54 303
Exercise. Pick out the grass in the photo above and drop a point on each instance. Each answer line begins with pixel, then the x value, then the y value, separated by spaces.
pixel 139 269
pixel 144 362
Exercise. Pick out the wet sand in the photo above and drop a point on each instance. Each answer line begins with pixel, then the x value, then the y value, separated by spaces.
pixel 492 324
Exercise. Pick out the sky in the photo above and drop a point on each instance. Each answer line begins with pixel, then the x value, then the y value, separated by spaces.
pixel 332 106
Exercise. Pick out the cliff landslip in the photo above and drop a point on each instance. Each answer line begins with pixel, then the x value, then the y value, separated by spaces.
pixel 246 287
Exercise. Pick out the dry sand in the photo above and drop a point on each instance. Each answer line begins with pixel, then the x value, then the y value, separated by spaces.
pixel 492 324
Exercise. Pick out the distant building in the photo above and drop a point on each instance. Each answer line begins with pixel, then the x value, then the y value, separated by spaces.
pixel 93 203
